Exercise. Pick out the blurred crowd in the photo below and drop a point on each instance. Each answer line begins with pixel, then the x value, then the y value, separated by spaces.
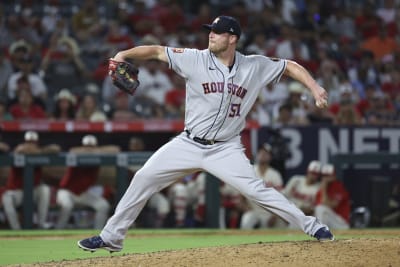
pixel 54 53
pixel 77 197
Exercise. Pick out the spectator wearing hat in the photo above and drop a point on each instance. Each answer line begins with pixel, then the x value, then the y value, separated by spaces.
pixel 332 200
pixel 299 99
pixel 255 216
pixel 79 185
pixel 13 196
pixel 17 50
pixel 302 189
pixel 65 106
pixel 62 65
pixel 36 83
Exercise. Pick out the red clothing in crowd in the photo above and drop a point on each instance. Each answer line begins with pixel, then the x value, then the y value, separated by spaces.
pixel 79 179
pixel 392 89
pixel 335 108
pixel 175 97
pixel 364 105
pixel 171 16
pixel 338 192
pixel 15 178
pixel 34 112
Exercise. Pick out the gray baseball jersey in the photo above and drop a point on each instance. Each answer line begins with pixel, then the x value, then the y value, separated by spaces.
pixel 218 100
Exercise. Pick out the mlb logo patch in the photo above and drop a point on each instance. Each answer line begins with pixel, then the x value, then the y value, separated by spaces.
pixel 178 50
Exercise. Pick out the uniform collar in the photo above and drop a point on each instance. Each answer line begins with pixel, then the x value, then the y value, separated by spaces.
pixel 225 69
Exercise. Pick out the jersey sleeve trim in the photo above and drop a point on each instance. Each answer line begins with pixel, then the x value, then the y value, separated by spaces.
pixel 169 57
pixel 278 78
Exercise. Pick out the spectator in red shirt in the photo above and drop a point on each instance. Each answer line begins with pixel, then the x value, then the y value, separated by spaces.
pixel 332 200
pixel 78 186
pixel 26 108
pixel 13 196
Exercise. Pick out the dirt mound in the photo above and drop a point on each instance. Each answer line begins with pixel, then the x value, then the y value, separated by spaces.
pixel 383 251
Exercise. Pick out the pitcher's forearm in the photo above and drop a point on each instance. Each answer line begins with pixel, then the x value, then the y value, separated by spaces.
pixel 299 73
pixel 143 53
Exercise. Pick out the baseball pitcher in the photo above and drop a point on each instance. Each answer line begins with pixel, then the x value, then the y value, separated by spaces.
pixel 221 87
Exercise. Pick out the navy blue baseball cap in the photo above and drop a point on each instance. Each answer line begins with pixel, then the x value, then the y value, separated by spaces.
pixel 223 24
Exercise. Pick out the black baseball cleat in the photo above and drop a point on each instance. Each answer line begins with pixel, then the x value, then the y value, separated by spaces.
pixel 323 234
pixel 93 243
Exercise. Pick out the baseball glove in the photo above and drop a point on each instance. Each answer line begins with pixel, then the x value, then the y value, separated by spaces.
pixel 124 75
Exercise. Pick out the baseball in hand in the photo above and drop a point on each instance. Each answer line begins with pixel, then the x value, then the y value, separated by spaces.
pixel 321 103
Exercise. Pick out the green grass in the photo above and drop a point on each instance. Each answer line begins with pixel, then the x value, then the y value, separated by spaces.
pixel 46 246
pixel 34 246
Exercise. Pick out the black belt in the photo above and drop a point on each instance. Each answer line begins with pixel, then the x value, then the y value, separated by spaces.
pixel 201 140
